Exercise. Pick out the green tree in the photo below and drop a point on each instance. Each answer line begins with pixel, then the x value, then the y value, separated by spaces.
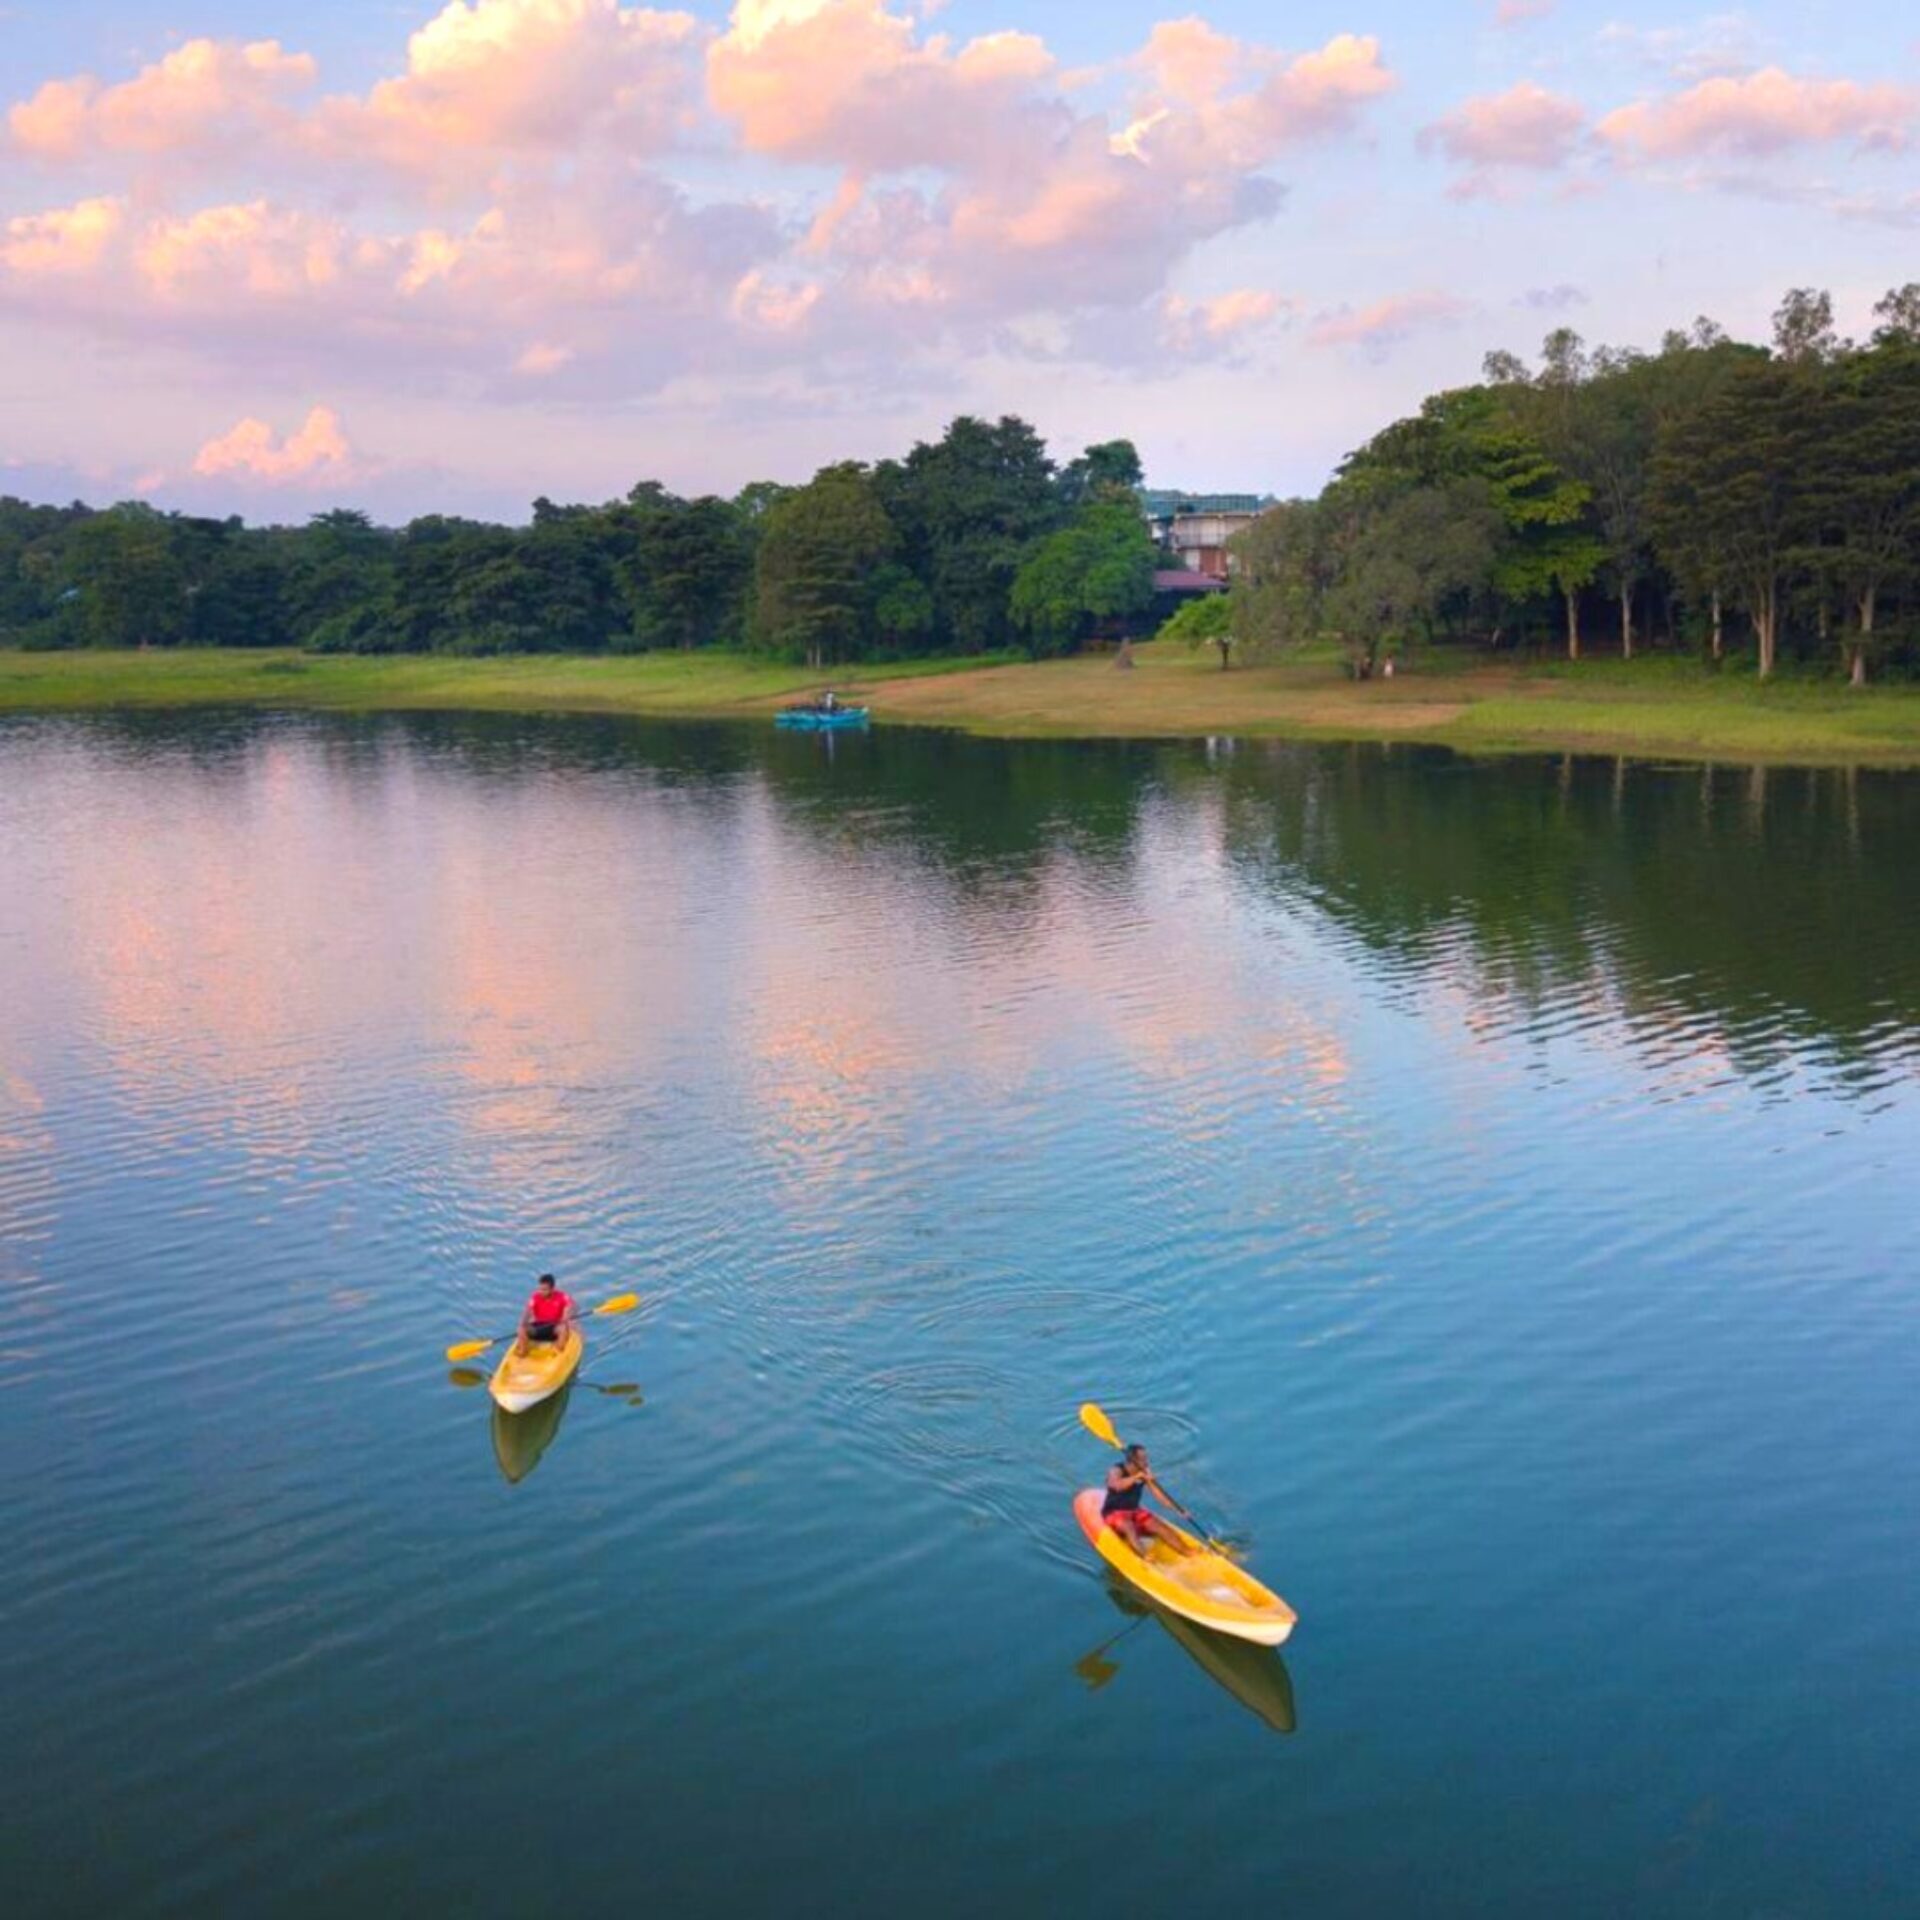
pixel 1898 311
pixel 694 558
pixel 902 608
pixel 1092 574
pixel 132 585
pixel 820 550
pixel 1728 483
pixel 1422 553
pixel 1283 567
pixel 969 506
pixel 1206 620
pixel 1110 468
pixel 1861 492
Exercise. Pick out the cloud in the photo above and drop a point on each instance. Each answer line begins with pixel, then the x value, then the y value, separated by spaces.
pixel 318 454
pixel 871 206
pixel 1554 299
pixel 635 279
pixel 1194 113
pixel 847 83
pixel 63 242
pixel 1525 128
pixel 1764 113
pixel 1723 43
pixel 975 194
pixel 1377 329
pixel 498 78
pixel 205 98
pixel 541 358
pixel 1199 326
pixel 1508 14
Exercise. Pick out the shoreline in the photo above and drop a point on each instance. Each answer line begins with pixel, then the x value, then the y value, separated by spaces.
pixel 1657 708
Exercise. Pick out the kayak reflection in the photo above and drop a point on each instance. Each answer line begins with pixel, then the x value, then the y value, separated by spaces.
pixel 1256 1676
pixel 521 1439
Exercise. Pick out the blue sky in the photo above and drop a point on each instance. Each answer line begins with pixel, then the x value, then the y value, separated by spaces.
pixel 554 247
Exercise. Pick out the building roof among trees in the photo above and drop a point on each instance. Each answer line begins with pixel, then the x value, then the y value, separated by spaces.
pixel 1162 503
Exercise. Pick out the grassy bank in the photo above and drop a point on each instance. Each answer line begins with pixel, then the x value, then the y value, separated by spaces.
pixel 1655 707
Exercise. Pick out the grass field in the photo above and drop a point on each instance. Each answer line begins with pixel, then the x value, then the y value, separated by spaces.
pixel 1659 707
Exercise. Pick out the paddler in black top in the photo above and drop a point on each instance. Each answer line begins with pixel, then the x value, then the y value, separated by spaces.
pixel 1128 1480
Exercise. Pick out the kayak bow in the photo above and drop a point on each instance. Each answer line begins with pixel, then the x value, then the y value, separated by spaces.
pixel 1187 1578
pixel 524 1380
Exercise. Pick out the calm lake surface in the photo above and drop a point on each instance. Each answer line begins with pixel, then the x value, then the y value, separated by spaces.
pixel 1489 1186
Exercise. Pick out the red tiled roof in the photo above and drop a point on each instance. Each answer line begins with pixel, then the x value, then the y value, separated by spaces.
pixel 1186 580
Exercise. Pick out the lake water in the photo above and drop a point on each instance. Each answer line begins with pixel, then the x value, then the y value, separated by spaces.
pixel 1489 1187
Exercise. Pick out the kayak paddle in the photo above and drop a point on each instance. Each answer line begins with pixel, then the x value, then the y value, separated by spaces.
pixel 470 1349
pixel 1096 1423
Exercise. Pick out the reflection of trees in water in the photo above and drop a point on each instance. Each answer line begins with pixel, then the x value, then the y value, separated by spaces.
pixel 984 811
pixel 1777 904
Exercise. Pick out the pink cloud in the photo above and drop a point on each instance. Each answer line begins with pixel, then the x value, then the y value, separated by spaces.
pixel 208 96
pixel 1040 206
pixel 848 83
pixel 624 267
pixel 317 454
pixel 1388 323
pixel 490 78
pixel 492 211
pixel 63 241
pixel 1517 13
pixel 1524 127
pixel 1196 116
pixel 1220 324
pixel 1763 113
pixel 541 358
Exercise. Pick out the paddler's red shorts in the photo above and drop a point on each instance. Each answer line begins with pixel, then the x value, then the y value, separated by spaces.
pixel 1118 1519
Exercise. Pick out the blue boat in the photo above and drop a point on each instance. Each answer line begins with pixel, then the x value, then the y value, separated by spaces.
pixel 821 716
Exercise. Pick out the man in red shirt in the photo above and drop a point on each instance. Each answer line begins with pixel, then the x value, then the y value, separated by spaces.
pixel 549 1315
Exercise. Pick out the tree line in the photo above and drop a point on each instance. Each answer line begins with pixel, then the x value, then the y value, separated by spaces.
pixel 1710 496
pixel 973 543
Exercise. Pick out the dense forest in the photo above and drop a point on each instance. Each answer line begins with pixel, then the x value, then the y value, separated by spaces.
pixel 1713 496
pixel 974 543
pixel 1709 496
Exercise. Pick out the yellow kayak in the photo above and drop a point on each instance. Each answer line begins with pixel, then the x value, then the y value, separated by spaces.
pixel 524 1380
pixel 1188 1578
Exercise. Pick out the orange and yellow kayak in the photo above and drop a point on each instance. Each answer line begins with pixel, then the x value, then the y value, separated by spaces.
pixel 1188 1578
pixel 521 1381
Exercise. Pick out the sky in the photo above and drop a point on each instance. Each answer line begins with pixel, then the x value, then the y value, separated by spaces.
pixel 266 259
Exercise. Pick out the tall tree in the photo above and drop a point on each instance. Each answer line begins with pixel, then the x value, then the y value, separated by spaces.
pixel 820 549
pixel 694 559
pixel 1110 468
pixel 969 505
pixel 1728 480
pixel 1861 490
pixel 1803 326
pixel 1282 568
pixel 131 583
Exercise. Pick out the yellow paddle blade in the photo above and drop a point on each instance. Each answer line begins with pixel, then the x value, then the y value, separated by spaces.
pixel 1095 1669
pixel 1097 1424
pixel 468 1350
pixel 620 1303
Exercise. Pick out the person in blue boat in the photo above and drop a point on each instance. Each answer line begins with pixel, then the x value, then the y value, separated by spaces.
pixel 1129 1480
pixel 829 702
